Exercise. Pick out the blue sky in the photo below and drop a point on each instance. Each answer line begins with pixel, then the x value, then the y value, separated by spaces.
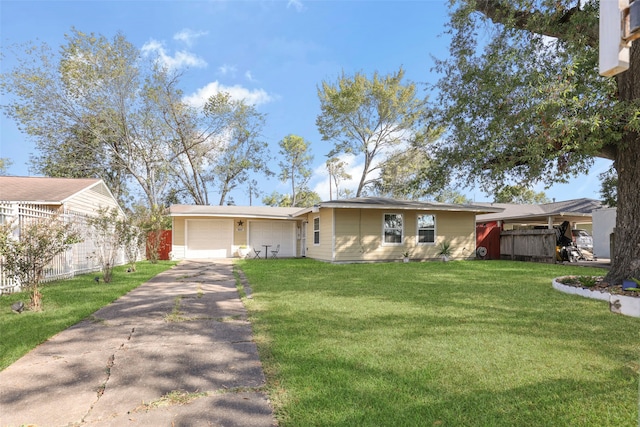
pixel 272 53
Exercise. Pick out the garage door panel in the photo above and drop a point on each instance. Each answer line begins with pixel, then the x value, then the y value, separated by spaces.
pixel 209 238
pixel 273 233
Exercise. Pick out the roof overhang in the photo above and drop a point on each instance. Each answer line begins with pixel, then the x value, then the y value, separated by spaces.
pixel 255 212
pixel 390 204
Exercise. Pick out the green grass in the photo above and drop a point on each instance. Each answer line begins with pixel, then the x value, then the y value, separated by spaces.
pixel 476 343
pixel 65 303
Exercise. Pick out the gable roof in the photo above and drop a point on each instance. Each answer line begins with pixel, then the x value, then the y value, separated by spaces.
pixel 571 210
pixel 395 204
pixel 42 190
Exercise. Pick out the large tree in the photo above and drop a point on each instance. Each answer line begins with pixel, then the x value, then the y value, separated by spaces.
pixel 240 150
pixel 101 108
pixel 524 103
pixel 337 173
pixel 190 137
pixel 295 165
pixel 409 172
pixel 369 117
pixel 94 92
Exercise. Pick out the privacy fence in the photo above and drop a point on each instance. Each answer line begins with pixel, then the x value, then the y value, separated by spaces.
pixel 78 259
pixel 529 245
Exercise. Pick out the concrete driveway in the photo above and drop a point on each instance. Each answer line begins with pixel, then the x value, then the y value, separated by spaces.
pixel 176 351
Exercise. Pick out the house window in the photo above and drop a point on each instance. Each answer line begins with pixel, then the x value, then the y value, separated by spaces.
pixel 392 229
pixel 316 231
pixel 426 228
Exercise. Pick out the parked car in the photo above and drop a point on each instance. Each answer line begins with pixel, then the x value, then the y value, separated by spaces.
pixel 582 239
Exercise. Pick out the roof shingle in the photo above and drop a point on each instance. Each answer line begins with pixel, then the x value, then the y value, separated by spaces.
pixel 41 189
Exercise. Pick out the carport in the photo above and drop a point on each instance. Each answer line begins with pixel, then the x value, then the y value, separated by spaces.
pixel 530 216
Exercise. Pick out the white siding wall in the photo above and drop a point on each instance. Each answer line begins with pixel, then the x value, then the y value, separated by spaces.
pixel 604 221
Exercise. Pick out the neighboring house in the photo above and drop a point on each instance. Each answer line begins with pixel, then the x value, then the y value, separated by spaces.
pixel 79 195
pixel 577 212
pixel 604 224
pixel 521 216
pixel 37 197
pixel 350 230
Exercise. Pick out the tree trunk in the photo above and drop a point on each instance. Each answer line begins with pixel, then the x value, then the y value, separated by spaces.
pixel 36 299
pixel 626 251
pixel 625 261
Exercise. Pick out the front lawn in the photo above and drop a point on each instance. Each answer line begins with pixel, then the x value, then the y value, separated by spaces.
pixel 65 303
pixel 475 343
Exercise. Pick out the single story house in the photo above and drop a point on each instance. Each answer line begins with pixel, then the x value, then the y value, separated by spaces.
pixel 351 230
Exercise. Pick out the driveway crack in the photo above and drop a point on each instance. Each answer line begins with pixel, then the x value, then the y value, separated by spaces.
pixel 111 361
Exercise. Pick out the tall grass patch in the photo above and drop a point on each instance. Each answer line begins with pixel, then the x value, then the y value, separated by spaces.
pixel 458 343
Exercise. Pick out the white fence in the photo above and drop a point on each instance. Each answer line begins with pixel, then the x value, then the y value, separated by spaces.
pixel 78 259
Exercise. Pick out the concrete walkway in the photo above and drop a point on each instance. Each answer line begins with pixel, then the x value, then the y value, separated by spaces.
pixel 176 351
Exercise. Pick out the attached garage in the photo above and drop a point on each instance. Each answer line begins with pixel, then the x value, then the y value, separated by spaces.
pixel 273 233
pixel 226 231
pixel 208 238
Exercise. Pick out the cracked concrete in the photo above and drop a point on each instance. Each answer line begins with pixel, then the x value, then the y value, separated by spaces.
pixel 101 373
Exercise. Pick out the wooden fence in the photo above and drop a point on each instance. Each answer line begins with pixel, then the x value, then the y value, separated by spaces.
pixel 78 259
pixel 528 245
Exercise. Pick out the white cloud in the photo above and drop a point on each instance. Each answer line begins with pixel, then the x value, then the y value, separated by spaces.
pixel 179 60
pixel 226 69
pixel 249 76
pixel 297 4
pixel 189 36
pixel 254 97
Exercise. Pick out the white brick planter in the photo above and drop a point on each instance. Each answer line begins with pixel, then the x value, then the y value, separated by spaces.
pixel 621 304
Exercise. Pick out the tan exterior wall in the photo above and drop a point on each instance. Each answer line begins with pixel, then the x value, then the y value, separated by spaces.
pixel 178 244
pixel 324 250
pixel 348 235
pixel 240 234
pixel 358 235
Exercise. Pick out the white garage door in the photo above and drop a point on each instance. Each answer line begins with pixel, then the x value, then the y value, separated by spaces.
pixel 273 233
pixel 209 238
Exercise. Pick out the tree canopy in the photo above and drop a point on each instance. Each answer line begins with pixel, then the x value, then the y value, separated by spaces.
pixel 241 149
pixel 337 173
pixel 100 108
pixel 88 110
pixel 4 165
pixel 295 165
pixel 369 117
pixel 524 103
pixel 520 195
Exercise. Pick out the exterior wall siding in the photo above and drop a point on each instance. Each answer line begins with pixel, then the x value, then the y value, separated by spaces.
pixel 355 235
pixel 178 243
pixel 324 250
pixel 89 201
pixel 359 235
